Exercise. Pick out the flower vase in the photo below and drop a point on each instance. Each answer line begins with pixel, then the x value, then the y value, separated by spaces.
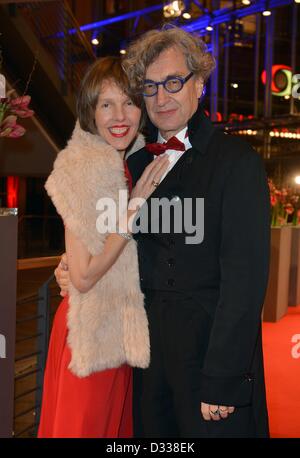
pixel 277 295
pixel 294 281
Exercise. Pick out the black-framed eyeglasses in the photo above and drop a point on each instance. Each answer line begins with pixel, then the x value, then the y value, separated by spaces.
pixel 171 84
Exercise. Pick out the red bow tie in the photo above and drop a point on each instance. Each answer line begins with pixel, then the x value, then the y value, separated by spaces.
pixel 160 148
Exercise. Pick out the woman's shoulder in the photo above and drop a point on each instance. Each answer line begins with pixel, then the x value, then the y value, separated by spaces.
pixel 85 153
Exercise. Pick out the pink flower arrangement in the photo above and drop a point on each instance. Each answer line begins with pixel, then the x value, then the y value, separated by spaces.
pixel 10 110
pixel 284 206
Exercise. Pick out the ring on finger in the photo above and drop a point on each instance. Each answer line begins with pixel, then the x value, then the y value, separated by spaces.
pixel 216 412
pixel 223 410
pixel 155 183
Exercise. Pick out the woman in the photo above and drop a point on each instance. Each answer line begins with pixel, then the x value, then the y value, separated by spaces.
pixel 102 326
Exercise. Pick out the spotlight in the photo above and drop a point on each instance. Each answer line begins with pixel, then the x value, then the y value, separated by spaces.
pixel 178 6
pixel 174 9
pixel 267 12
pixel 209 28
pixel 297 179
pixel 189 16
pixel 234 85
pixel 247 2
pixel 297 1
pixel 123 51
pixel 95 41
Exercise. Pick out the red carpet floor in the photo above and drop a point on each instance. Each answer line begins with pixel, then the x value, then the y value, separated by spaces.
pixel 281 343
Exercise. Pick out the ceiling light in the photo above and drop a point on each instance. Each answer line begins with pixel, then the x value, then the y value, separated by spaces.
pixel 267 12
pixel 177 6
pixel 95 41
pixel 174 9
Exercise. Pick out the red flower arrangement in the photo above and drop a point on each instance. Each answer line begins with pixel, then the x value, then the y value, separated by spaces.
pixel 10 110
pixel 284 206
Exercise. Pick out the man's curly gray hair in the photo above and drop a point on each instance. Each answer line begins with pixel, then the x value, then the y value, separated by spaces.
pixel 144 51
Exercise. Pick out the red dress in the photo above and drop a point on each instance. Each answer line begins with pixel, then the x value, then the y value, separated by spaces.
pixel 99 405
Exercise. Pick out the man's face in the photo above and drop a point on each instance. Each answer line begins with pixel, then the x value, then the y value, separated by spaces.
pixel 171 112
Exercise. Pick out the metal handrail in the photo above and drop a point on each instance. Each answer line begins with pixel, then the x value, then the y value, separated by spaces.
pixel 21 414
pixel 36 356
pixel 29 355
pixel 80 34
pixel 29 318
pixel 25 339
pixel 26 374
pixel 28 428
pixel 25 393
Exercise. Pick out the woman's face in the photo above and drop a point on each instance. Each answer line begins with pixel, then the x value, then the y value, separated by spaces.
pixel 117 118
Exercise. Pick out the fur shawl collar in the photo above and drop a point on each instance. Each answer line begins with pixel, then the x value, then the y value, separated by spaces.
pixel 108 324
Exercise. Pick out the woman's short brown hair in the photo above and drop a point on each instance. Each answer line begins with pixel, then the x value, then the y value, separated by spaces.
pixel 103 69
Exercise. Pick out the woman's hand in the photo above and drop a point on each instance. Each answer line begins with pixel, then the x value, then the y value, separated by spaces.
pixel 144 187
pixel 150 178
pixel 62 275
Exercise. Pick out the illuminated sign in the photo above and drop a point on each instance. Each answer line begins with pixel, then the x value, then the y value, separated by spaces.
pixel 281 83
pixel 231 118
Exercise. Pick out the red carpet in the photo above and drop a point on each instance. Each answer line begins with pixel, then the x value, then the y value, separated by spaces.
pixel 282 371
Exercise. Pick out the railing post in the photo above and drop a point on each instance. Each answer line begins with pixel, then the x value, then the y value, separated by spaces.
pixel 66 51
pixel 256 65
pixel 43 340
pixel 8 281
pixel 214 80
pixel 294 50
pixel 269 43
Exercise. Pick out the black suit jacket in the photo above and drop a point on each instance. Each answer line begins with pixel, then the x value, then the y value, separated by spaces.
pixel 227 273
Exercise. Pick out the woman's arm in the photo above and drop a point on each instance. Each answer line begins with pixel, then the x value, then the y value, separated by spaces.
pixel 85 270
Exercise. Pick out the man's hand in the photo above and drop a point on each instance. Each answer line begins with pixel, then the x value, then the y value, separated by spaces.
pixel 62 275
pixel 213 412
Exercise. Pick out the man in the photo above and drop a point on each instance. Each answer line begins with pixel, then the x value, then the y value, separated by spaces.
pixel 203 300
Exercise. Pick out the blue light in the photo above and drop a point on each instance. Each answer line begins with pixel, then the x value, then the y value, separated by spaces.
pixel 226 14
pixel 123 17
pixel 217 17
pixel 113 20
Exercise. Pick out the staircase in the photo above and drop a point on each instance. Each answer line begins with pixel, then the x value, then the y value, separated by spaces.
pixel 44 38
